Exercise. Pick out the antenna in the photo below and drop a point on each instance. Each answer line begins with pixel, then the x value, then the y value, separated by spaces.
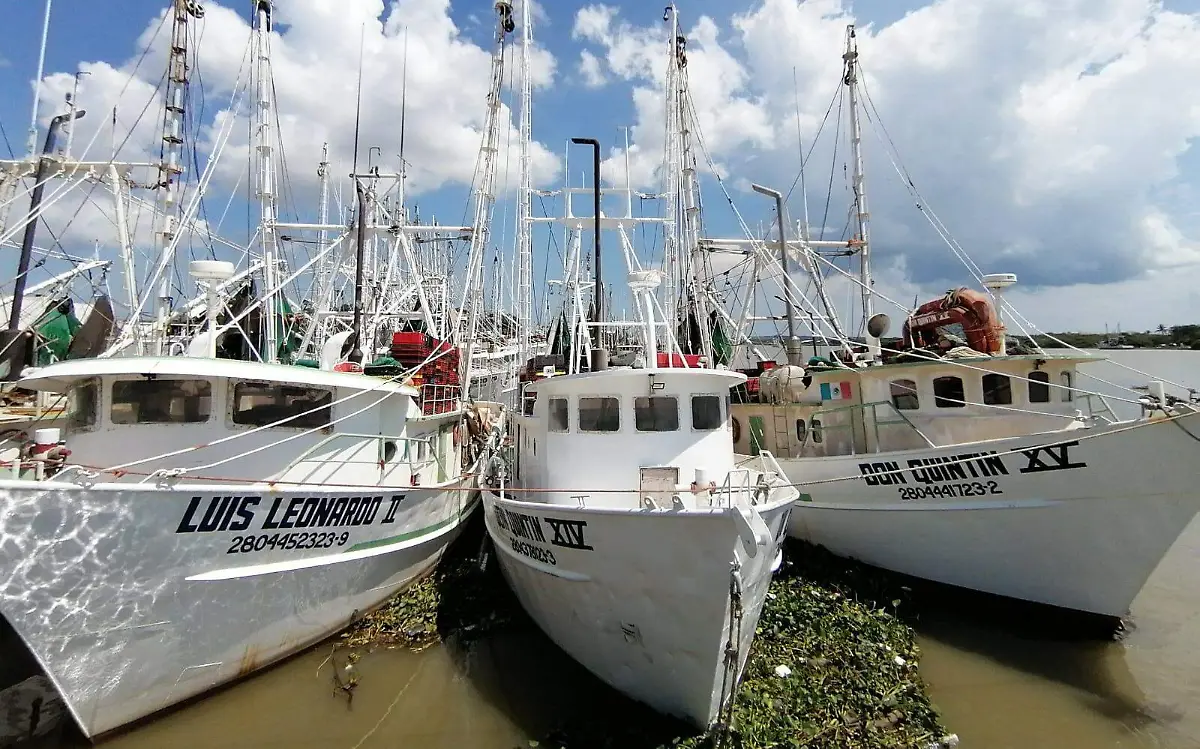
pixel 403 107
pixel 358 99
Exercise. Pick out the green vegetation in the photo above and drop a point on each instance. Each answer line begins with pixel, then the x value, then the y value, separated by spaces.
pixel 833 665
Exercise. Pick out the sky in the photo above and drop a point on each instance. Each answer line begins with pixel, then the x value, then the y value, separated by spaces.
pixel 1050 138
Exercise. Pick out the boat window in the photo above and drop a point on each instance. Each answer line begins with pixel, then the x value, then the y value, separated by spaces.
pixel 161 401
pixel 658 413
pixel 817 436
pixel 904 395
pixel 263 403
pixel 1039 387
pixel 948 392
pixel 1067 393
pixel 800 430
pixel 82 402
pixel 529 402
pixel 997 390
pixel 706 412
pixel 559 415
pixel 599 414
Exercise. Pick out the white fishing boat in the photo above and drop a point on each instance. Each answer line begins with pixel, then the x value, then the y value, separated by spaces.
pixel 959 454
pixel 622 523
pixel 204 518
pixel 207 507
pixel 633 540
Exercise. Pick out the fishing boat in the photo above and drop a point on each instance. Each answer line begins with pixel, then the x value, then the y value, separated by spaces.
pixel 203 518
pixel 959 453
pixel 620 519
pixel 632 539
pixel 237 478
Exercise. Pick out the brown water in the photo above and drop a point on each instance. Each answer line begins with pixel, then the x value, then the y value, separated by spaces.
pixel 996 686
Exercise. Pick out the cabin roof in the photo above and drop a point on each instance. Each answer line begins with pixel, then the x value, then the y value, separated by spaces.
pixel 596 379
pixel 60 376
pixel 981 362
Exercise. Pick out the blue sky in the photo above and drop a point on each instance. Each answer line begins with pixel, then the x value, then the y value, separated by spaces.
pixel 1039 132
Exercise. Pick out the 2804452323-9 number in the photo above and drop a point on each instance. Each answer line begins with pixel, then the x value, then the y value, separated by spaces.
pixel 948 491
pixel 247 544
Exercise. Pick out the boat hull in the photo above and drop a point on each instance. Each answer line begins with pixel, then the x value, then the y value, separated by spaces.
pixel 641 598
pixel 1071 519
pixel 133 598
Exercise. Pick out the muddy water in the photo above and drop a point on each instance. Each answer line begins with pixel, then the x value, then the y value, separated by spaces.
pixel 999 688
pixel 998 684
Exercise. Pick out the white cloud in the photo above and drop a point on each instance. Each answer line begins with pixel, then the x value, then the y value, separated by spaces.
pixel 591 69
pixel 1046 134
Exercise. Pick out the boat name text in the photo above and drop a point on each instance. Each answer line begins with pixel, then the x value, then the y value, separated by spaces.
pixel 1051 458
pixel 527 530
pixel 230 513
pixel 929 471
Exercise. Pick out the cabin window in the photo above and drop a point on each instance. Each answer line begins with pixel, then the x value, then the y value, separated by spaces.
pixel 161 401
pixel 82 405
pixel 559 416
pixel 1039 387
pixel 904 395
pixel 817 436
pixel 528 403
pixel 948 392
pixel 997 390
pixel 599 414
pixel 659 413
pixel 1067 393
pixel 706 412
pixel 267 404
pixel 800 429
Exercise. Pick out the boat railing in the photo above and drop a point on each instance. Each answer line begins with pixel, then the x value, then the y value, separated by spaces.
pixel 417 452
pixel 756 485
pixel 1102 411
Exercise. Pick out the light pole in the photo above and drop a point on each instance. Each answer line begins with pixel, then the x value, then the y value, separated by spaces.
pixel 792 347
pixel 599 354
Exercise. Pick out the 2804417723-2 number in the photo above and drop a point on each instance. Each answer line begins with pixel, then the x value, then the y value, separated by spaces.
pixel 246 544
pixel 948 491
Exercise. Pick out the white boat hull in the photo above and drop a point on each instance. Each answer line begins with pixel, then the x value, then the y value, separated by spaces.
pixel 641 598
pixel 135 597
pixel 1076 519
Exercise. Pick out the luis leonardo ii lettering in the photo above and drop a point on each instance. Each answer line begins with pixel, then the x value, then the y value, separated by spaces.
pixel 230 513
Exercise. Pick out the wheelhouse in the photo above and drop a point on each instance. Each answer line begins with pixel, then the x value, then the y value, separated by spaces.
pixel 916 404
pixel 648 424
pixel 233 420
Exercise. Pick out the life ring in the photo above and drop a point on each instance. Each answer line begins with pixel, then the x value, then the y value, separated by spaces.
pixel 737 430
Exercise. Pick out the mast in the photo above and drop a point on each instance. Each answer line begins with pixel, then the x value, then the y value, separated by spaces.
pixel 484 195
pixel 862 216
pixel 171 166
pixel 266 175
pixel 525 207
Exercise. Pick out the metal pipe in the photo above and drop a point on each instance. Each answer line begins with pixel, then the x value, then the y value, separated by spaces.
pixel 39 181
pixel 356 354
pixel 598 355
pixel 794 353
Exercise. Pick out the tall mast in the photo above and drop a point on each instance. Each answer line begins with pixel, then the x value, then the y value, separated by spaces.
pixel 525 207
pixel 266 176
pixel 862 216
pixel 672 167
pixel 484 195
pixel 171 166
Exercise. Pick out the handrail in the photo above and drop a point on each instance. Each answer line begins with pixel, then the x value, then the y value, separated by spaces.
pixel 876 422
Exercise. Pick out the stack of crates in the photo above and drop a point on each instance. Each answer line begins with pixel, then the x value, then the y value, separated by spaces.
pixel 441 374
